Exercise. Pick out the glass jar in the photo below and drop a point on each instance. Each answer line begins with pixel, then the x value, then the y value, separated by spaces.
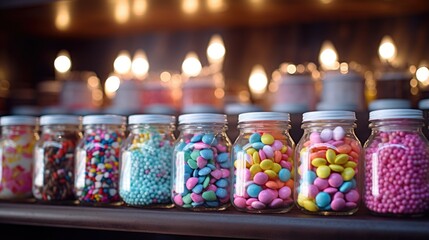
pixel 97 160
pixel 327 176
pixel 263 163
pixel 145 179
pixel 397 164
pixel 53 175
pixel 19 135
pixel 201 163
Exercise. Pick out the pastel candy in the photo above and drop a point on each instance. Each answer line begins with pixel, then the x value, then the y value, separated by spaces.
pixel 339 133
pixel 335 180
pixel 348 174
pixel 285 192
pixel 269 153
pixel 217 174
pixel 321 183
pixel 277 145
pixel 222 157
pixel 197 198
pixel 266 196
pixel 258 205
pixel 208 138
pixel 204 171
pixel 326 135
pixel 201 162
pixel 255 137
pixel 209 195
pixel 309 176
pixel 267 138
pixel 276 203
pixel 266 164
pixel 222 183
pixel 315 137
pixel 198 188
pixel 221 193
pixel 191 183
pixel 323 199
pixel 338 204
pixel 260 178
pixel 253 190
pixel 345 187
pixel 284 175
pixel 258 145
pixel 200 145
pixel 352 196
pixel 196 138
pixel 240 202
pixel 207 154
pixel 323 171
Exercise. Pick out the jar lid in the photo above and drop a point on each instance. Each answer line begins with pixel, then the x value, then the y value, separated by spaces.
pixel 396 114
pixel 18 120
pixel 60 119
pixel 328 115
pixel 263 116
pixel 103 119
pixel 202 118
pixel 388 104
pixel 151 118
pixel 424 104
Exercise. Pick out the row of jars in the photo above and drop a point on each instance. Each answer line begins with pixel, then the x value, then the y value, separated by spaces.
pixel 327 172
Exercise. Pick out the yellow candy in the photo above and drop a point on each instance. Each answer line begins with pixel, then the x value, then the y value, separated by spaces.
pixel 310 206
pixel 350 164
pixel 271 174
pixel 330 156
pixel 267 138
pixel 266 164
pixel 303 150
pixel 254 169
pixel 108 165
pixel 336 168
pixel 348 174
pixel 276 167
pixel 317 162
pixel 284 149
pixel 256 158
pixel 341 158
pixel 301 199
pixel 323 171
pixel 250 151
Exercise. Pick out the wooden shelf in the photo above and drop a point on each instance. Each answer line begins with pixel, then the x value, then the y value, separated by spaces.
pixel 230 223
pixel 110 18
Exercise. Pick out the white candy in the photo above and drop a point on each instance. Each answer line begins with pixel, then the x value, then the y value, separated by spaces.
pixel 339 133
pixel 326 135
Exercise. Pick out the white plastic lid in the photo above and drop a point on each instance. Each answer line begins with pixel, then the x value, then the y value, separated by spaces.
pixel 389 104
pixel 396 114
pixel 263 116
pixel 328 115
pixel 290 107
pixel 424 104
pixel 18 120
pixel 151 118
pixel 60 119
pixel 103 119
pixel 202 118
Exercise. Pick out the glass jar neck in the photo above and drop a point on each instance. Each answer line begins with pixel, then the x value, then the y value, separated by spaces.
pixel 203 127
pixel 13 129
pixel 263 126
pixel 138 128
pixel 347 125
pixel 396 125
pixel 104 127
pixel 60 128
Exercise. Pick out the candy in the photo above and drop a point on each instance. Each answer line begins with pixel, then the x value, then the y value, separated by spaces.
pixel 98 165
pixel 327 171
pixel 396 170
pixel 54 176
pixel 270 177
pixel 211 170
pixel 16 163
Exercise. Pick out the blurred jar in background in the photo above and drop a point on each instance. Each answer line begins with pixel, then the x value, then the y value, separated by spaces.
pixel 158 96
pixel 203 93
pixel 293 89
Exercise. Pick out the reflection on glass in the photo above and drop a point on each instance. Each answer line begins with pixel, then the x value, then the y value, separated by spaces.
pixel 139 7
pixel 122 11
pixel 190 6
pixel 62 18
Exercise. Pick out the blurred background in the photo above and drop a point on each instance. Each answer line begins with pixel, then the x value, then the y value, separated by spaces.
pixel 165 56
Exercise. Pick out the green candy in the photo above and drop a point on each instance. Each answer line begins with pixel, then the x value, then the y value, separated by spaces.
pixel 209 196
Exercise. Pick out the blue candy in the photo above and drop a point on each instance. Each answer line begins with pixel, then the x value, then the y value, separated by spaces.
pixel 208 138
pixel 204 171
pixel 196 138
pixel 255 137
pixel 323 199
pixel 253 190
pixel 221 193
pixel 197 189
pixel 211 166
pixel 284 174
pixel 207 154
pixel 222 183
pixel 258 145
pixel 223 157
pixel 346 187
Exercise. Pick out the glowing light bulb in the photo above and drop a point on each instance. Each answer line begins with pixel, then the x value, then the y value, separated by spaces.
pixel 62 63
pixel 122 63
pixel 190 6
pixel 122 11
pixel 258 80
pixel 62 18
pixel 216 50
pixel 140 64
pixel 139 7
pixel 422 74
pixel 191 66
pixel 111 85
pixel 328 57
pixel 387 49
